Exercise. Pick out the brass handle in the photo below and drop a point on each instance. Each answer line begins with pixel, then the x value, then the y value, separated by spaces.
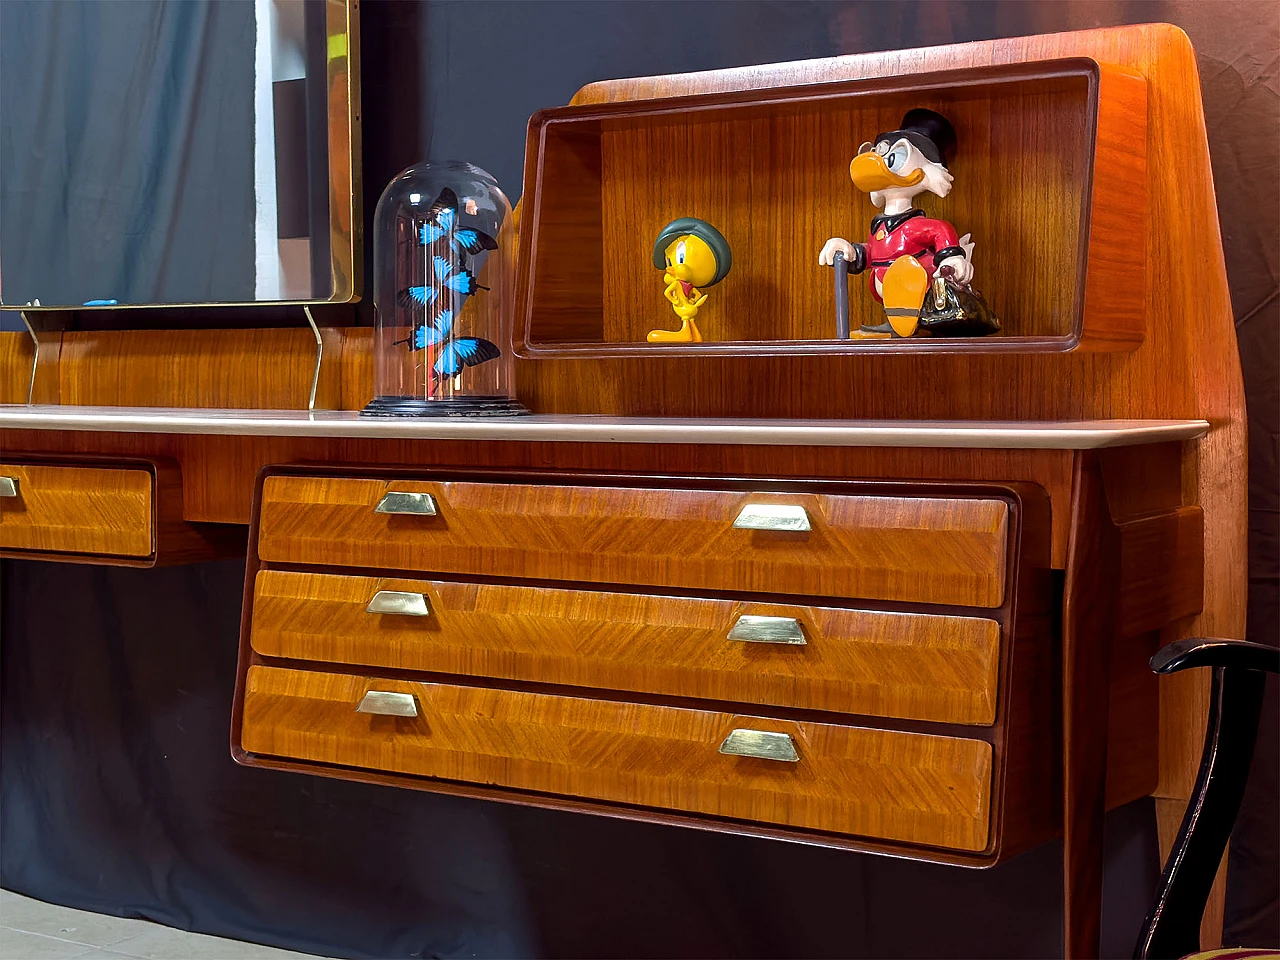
pixel 8 487
pixel 411 504
pixel 383 703
pixel 768 630
pixel 761 745
pixel 772 516
pixel 399 604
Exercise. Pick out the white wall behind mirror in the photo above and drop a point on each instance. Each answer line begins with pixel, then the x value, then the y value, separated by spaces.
pixel 164 152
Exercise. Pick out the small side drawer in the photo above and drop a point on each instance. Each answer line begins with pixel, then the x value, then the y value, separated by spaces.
pixel 101 511
pixel 908 548
pixel 913 666
pixel 929 790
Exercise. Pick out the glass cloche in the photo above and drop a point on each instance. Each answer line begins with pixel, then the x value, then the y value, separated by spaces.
pixel 443 294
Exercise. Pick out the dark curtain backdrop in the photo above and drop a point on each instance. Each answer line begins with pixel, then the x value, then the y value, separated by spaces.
pixel 126 151
pixel 118 792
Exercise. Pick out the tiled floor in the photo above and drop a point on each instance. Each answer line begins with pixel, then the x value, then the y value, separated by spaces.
pixel 35 930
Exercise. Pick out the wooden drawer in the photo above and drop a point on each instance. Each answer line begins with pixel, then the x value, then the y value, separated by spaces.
pixel 928 790
pixel 89 510
pixel 921 549
pixel 913 666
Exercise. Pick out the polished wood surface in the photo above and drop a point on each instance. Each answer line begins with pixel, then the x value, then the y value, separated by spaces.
pixel 16 355
pixel 259 368
pixel 950 551
pixel 913 666
pixel 79 510
pixel 598 177
pixel 926 790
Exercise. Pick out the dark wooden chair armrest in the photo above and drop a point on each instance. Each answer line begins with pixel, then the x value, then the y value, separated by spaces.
pixel 1172 929
pixel 1215 652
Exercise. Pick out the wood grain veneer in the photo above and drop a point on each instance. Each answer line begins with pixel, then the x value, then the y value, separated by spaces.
pixel 878 783
pixel 267 369
pixel 16 355
pixel 922 549
pixel 85 510
pixel 913 666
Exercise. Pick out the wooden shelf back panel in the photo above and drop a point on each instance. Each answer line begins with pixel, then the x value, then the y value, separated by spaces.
pixel 268 369
pixel 81 510
pixel 770 170
pixel 934 791
pixel 911 666
pixel 913 549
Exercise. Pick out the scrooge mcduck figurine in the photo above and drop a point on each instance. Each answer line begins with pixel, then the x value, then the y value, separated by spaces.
pixel 906 250
pixel 691 253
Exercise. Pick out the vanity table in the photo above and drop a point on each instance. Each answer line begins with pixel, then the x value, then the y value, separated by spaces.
pixel 888 597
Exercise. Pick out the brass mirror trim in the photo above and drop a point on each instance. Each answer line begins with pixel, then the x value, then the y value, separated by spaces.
pixel 760 745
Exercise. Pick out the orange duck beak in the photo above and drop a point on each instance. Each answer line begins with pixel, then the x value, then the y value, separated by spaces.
pixel 869 173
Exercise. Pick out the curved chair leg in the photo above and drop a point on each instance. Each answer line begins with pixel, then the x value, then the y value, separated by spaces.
pixel 1172 929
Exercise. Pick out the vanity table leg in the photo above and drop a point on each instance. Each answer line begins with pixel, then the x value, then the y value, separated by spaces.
pixel 1090 617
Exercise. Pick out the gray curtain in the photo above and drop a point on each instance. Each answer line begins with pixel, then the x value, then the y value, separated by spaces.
pixel 126 151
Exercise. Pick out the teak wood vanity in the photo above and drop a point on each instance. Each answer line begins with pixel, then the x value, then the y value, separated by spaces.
pixel 892 597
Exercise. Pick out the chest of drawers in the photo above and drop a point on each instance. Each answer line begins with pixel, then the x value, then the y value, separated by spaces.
pixel 854 664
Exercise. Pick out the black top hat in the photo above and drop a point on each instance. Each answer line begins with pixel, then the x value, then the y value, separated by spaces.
pixel 928 131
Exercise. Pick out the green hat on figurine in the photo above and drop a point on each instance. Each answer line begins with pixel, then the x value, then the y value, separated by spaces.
pixel 693 227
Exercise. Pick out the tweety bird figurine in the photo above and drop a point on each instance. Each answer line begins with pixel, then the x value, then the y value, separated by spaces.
pixel 691 254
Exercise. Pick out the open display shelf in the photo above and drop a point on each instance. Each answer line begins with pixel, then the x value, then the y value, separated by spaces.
pixel 1050 180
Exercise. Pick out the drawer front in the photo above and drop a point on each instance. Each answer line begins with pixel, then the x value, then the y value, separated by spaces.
pixel 913 666
pixel 88 510
pixel 928 790
pixel 947 551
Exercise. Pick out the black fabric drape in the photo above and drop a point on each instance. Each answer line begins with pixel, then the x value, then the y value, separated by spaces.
pixel 120 795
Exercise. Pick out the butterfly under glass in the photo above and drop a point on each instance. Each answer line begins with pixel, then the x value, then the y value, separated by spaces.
pixel 448 283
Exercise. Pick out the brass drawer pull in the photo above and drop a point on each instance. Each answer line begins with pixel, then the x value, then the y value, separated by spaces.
pixel 8 487
pixel 760 744
pixel 768 630
pixel 772 516
pixel 410 504
pixel 395 603
pixel 386 704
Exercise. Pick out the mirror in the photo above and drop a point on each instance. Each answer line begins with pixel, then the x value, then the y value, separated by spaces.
pixel 178 152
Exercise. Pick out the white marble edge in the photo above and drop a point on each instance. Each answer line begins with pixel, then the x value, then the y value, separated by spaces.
pixel 1045 435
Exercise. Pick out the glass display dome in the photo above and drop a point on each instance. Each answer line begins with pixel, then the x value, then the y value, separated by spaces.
pixel 443 294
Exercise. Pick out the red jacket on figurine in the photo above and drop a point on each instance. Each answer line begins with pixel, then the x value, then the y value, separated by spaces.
pixel 910 233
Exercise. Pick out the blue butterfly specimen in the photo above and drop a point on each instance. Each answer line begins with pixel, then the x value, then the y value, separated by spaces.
pixel 442 222
pixel 447 290
pixel 449 276
pixel 456 352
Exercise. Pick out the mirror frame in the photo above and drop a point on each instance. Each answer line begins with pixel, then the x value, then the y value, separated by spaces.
pixel 346 226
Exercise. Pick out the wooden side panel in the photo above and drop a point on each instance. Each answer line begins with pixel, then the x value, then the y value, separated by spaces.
pixel 927 790
pixel 912 666
pixel 947 551
pixel 89 510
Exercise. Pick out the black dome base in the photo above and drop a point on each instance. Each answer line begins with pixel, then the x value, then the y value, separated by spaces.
pixel 464 407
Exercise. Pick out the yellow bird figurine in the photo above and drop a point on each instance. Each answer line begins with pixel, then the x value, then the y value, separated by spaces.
pixel 691 253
